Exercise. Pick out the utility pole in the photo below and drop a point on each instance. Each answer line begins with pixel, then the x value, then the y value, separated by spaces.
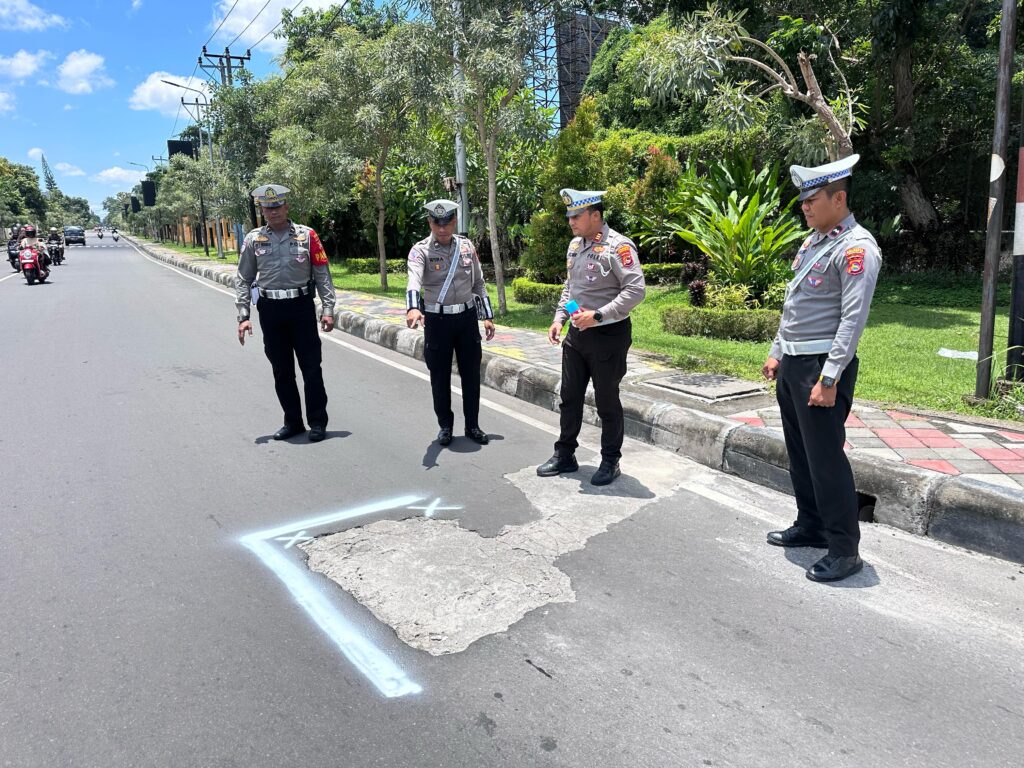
pixel 223 64
pixel 461 181
pixel 997 177
pixel 1015 348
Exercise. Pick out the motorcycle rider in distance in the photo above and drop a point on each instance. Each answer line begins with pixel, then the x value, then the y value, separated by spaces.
pixel 31 240
pixel 56 237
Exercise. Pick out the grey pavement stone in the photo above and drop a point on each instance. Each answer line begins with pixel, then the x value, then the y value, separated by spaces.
pixel 917 453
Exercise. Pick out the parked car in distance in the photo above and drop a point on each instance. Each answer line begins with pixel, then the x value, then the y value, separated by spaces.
pixel 74 235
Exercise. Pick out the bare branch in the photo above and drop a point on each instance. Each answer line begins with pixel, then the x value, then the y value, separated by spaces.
pixel 787 87
pixel 771 52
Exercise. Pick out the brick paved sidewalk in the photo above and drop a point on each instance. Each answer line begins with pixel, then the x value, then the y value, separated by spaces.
pixel 946 445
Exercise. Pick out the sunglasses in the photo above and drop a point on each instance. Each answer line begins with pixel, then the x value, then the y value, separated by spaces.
pixel 442 220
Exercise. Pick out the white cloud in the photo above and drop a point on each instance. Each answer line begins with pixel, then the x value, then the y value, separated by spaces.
pixel 69 170
pixel 118 176
pixel 82 72
pixel 136 4
pixel 6 102
pixel 22 64
pixel 153 93
pixel 35 153
pixel 116 153
pixel 246 10
pixel 68 107
pixel 21 15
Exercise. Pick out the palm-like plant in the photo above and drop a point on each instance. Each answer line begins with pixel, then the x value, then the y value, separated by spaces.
pixel 743 243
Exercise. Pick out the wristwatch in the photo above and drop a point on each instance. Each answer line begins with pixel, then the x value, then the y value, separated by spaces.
pixel 827 382
pixel 598 316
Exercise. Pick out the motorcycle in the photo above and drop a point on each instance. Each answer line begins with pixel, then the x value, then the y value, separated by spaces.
pixel 32 266
pixel 100 234
pixel 56 251
pixel 12 254
pixel 114 236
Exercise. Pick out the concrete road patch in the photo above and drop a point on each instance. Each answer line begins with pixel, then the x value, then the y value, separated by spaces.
pixel 441 587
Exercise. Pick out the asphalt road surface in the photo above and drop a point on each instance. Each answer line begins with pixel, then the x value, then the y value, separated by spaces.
pixel 157 608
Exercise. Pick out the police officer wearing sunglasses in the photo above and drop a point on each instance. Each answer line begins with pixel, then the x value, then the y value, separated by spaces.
pixel 446 294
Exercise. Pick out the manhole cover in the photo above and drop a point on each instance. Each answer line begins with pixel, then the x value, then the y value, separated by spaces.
pixel 708 387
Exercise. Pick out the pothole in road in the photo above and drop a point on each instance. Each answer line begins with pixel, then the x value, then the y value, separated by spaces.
pixel 441 587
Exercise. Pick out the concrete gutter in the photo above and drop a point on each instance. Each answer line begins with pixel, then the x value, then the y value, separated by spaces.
pixel 952 509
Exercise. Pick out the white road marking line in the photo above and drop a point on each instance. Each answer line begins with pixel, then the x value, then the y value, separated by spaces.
pixel 13 274
pixel 373 663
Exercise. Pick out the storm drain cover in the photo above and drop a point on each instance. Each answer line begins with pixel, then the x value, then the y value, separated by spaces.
pixel 708 387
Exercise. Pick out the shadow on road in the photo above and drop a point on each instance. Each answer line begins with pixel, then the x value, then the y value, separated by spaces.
pixel 806 557
pixel 301 439
pixel 459 444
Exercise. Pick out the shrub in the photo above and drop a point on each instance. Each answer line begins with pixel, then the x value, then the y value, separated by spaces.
pixel 372 266
pixel 728 296
pixel 663 274
pixel 528 292
pixel 738 324
pixel 698 293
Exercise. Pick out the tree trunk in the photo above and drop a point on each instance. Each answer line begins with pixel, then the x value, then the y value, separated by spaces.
pixel 491 151
pixel 378 189
pixel 921 214
pixel 840 135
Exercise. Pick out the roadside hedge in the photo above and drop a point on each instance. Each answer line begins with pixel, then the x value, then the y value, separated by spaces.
pixel 372 266
pixel 736 324
pixel 668 274
pixel 528 292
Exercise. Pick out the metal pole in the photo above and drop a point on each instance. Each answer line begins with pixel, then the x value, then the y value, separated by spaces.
pixel 461 173
pixel 997 178
pixel 1015 347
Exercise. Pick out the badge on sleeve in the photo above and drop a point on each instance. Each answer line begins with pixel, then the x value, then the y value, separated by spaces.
pixel 625 254
pixel 854 261
pixel 317 254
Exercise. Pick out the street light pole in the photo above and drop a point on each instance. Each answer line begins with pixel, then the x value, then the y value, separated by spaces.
pixel 209 139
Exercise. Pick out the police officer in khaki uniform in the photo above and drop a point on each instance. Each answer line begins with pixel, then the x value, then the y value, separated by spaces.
pixel 814 362
pixel 603 285
pixel 289 261
pixel 447 295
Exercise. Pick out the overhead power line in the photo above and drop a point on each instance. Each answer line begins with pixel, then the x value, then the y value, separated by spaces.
pixel 258 14
pixel 221 23
pixel 279 23
pixel 178 115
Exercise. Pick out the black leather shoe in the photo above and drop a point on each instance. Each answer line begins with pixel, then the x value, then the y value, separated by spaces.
pixel 288 431
pixel 316 434
pixel 607 472
pixel 835 568
pixel 444 437
pixel 558 464
pixel 477 435
pixel 797 536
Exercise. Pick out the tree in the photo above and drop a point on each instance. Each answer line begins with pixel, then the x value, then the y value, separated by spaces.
pixel 51 183
pixel 694 58
pixel 365 92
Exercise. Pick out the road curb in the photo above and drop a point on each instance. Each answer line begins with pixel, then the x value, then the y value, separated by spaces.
pixel 965 512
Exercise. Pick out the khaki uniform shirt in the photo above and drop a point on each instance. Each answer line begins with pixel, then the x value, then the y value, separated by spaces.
pixel 603 274
pixel 291 258
pixel 833 298
pixel 428 266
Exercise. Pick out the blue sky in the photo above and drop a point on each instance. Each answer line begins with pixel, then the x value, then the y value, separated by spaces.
pixel 80 79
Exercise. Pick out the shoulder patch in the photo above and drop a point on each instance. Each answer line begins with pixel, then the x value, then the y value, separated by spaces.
pixel 625 254
pixel 854 261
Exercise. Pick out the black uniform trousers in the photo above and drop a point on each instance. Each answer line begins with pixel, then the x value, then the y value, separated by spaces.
pixel 290 331
pixel 826 497
pixel 442 335
pixel 597 354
